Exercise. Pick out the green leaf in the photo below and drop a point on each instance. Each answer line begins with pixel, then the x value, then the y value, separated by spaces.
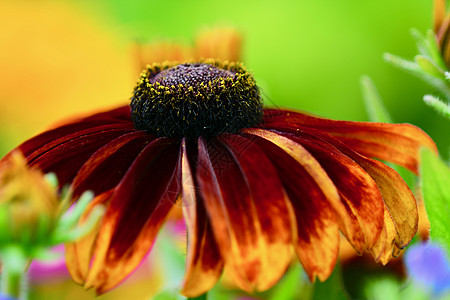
pixel 435 181
pixel 433 48
pixel 332 288
pixel 403 64
pixel 70 218
pixel 288 288
pixel 421 42
pixel 429 66
pixel 438 105
pixel 415 69
pixel 374 105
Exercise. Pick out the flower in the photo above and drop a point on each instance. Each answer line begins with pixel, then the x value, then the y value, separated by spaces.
pixel 253 183
pixel 28 204
pixel 223 43
pixel 429 267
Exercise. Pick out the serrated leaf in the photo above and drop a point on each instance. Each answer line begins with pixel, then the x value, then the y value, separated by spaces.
pixel 433 48
pixel 415 69
pixel 403 64
pixel 421 42
pixel 429 66
pixel 372 100
pixel 435 182
pixel 438 105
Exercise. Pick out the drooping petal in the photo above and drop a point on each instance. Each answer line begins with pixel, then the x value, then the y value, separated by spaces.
pixel 311 193
pixel 397 143
pixel 398 198
pixel 66 159
pixel 137 209
pixel 359 192
pixel 204 263
pixel 106 167
pixel 250 214
pixel 383 249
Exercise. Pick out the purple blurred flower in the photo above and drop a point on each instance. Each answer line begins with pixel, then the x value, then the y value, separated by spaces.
pixel 3 297
pixel 428 265
pixel 55 269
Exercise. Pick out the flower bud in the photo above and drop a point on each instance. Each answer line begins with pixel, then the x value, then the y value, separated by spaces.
pixel 28 204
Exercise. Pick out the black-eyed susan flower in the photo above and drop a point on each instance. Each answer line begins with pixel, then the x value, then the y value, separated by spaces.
pixel 254 183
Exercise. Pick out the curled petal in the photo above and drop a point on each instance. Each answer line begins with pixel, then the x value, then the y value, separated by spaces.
pixel 383 249
pixel 397 143
pixel 252 220
pixel 398 198
pixel 203 263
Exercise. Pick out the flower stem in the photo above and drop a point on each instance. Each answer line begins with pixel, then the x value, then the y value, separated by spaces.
pixel 13 278
pixel 11 284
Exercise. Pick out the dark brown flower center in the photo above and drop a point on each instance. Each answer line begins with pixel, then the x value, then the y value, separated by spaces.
pixel 192 100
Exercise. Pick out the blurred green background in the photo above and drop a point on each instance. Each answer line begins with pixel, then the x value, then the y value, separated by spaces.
pixel 59 58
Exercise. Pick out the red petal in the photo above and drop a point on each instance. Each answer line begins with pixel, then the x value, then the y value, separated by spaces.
pixel 397 143
pixel 311 193
pixel 116 118
pixel 251 217
pixel 79 254
pixel 383 249
pixel 66 159
pixel 203 263
pixel 137 209
pixel 397 196
pixel 356 187
pixel 106 167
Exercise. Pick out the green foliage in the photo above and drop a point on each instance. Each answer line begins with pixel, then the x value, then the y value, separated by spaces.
pixel 169 295
pixel 438 105
pixel 372 100
pixel 291 286
pixel 435 181
pixel 428 66
pixel 389 288
pixel 332 288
